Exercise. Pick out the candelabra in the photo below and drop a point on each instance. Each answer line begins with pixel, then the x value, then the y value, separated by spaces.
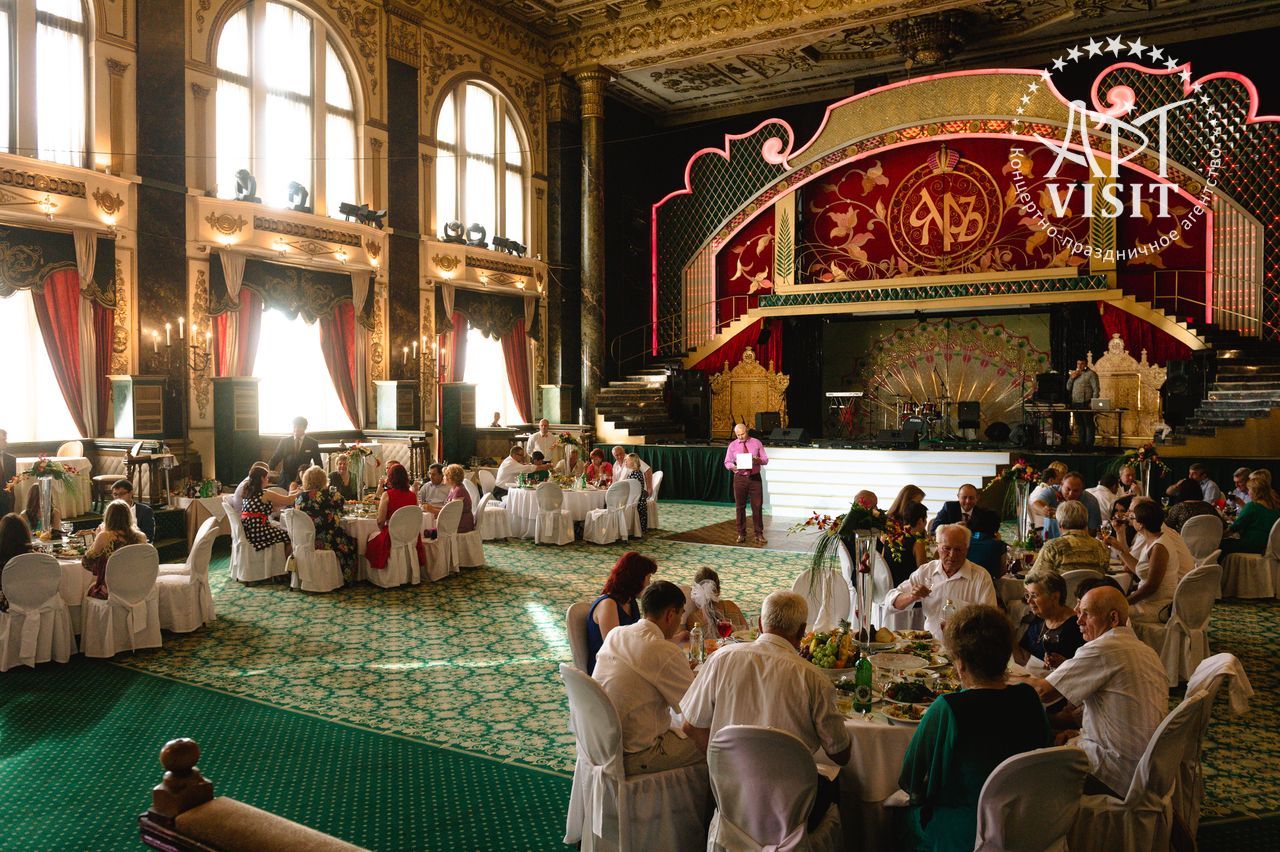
pixel 193 355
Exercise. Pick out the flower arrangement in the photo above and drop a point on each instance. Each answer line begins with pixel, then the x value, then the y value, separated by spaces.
pixel 567 439
pixel 50 469
pixel 1020 471
pixel 1146 454
pixel 860 517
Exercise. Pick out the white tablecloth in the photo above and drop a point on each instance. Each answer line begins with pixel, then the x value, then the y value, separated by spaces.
pixel 74 588
pixel 522 507
pixel 870 777
pixel 361 528
pixel 69 505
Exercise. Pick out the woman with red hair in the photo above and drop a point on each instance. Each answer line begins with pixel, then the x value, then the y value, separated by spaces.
pixel 617 606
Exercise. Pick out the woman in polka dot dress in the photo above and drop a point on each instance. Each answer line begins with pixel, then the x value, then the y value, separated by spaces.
pixel 255 514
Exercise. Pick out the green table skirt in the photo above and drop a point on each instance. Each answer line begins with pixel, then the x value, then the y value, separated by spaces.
pixel 689 472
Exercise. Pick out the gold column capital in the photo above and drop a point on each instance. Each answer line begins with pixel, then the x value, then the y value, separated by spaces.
pixel 591 83
pixel 116 68
pixel 200 92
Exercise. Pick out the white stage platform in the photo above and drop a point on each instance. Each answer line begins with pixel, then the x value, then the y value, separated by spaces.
pixel 801 480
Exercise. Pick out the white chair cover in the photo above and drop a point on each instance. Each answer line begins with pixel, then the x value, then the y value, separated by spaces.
pixel 911 618
pixel 249 565
pixel 575 626
pixel 1072 579
pixel 827 594
pixel 37 627
pixel 472 490
pixel 71 450
pixel 1183 642
pixel 759 810
pixel 1030 801
pixel 651 505
pixel 554 524
pixel 633 512
pixel 405 526
pixel 487 480
pixel 185 600
pixel 459 550
pixel 1202 534
pixel 1209 676
pixel 316 570
pixel 129 618
pixel 607 810
pixel 1248 575
pixel 1144 818
pixel 607 525
pixel 491 519
pixel 1226 666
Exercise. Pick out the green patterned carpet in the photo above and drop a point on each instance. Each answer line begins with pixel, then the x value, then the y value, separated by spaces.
pixel 467 665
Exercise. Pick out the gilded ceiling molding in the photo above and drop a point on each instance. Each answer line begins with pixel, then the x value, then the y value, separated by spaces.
pixel 438 59
pixel 225 223
pixel 108 202
pixel 499 34
pixel 403 42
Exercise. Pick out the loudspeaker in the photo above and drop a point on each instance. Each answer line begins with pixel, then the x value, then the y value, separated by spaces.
pixel 905 438
pixel 998 432
pixel 788 436
pixel 969 415
pixel 1051 387
pixel 767 421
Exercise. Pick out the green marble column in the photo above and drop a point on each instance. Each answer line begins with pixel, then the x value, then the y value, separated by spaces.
pixel 591 87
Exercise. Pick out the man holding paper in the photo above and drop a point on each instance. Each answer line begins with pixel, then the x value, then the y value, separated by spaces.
pixel 743 459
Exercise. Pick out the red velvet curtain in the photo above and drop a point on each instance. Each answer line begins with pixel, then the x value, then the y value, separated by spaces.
pixel 104 323
pixel 731 352
pixel 1138 334
pixel 338 344
pixel 516 354
pixel 58 315
pixel 236 336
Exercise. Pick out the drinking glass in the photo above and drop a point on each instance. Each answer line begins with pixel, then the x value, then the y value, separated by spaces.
pixel 724 627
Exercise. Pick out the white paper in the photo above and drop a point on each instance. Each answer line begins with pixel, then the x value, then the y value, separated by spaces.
pixel 745 462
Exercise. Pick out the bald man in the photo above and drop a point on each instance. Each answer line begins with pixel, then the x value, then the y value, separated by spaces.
pixel 1121 685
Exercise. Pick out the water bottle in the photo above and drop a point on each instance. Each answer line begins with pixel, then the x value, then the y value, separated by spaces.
pixel 862 678
pixel 697 645
pixel 948 610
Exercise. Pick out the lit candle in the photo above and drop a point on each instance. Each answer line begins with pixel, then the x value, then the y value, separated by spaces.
pixel 434 347
pixel 182 324
pixel 405 360
pixel 167 337
pixel 415 350
pixel 155 341
pixel 208 337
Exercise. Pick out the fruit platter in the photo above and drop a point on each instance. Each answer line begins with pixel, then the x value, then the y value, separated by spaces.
pixel 833 651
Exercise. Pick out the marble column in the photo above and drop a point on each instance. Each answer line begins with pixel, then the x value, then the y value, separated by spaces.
pixel 564 223
pixel 591 88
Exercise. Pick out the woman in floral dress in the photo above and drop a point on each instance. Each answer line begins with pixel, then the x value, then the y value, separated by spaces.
pixel 323 505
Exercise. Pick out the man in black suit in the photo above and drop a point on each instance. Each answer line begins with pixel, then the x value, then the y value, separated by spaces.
pixel 143 517
pixel 960 510
pixel 295 451
pixel 8 470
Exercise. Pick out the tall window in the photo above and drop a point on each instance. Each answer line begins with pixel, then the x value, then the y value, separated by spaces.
pixel 487 370
pixel 44 79
pixel 293 378
pixel 480 175
pixel 285 108
pixel 36 409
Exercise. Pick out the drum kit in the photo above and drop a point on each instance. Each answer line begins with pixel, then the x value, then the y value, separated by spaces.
pixel 930 419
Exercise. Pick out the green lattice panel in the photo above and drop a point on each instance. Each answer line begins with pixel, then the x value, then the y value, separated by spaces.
pixel 867 295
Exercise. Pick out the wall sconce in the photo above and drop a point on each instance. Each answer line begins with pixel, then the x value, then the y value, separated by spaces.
pixel 47 205
pixel 341 255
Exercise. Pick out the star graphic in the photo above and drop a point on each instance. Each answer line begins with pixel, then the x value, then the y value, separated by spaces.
pixel 1094 47
pixel 1073 54
pixel 1195 87
pixel 1059 64
pixel 1205 99
pixel 1019 111
pixel 1114 45
pixel 1171 63
pixel 1033 88
pixel 1016 122
pixel 1136 47
pixel 1046 75
pixel 1025 99
pixel 1156 54
pixel 1186 76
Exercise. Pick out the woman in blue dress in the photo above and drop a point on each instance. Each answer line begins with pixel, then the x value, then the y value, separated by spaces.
pixel 617 605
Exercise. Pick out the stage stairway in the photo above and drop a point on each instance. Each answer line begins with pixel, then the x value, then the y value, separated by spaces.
pixel 1246 385
pixel 634 410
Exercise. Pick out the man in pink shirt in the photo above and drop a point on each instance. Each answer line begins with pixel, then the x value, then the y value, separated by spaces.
pixel 747 484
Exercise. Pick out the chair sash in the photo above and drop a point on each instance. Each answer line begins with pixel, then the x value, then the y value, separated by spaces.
pixel 724 833
pixel 30 635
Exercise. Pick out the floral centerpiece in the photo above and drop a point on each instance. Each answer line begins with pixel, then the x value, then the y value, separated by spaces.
pixel 1145 455
pixel 568 439
pixel 356 456
pixel 1018 479
pixel 46 468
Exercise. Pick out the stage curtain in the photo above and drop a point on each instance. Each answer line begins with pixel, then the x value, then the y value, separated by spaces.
pixel 1138 334
pixel 58 315
pixel 731 352
pixel 236 333
pixel 338 344
pixel 691 473
pixel 104 326
pixel 515 351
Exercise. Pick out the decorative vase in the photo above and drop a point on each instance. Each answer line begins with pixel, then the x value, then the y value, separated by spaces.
pixel 46 502
pixel 1144 476
pixel 864 544
pixel 1021 492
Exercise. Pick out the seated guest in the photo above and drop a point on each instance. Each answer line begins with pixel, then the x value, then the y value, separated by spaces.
pixel 908 494
pixel 454 474
pixel 1075 549
pixel 915 550
pixel 950 579
pixel 31 514
pixel 15 540
pixel 1129 484
pixel 1188 503
pixel 961 510
pixel 1126 537
pixel 396 494
pixel 985 548
pixel 1198 474
pixel 708 607
pixel 1265 475
pixel 963 736
pixel 237 497
pixel 616 606
pixel 767 682
pixel 323 505
pixel 1053 634
pixel 636 472
pixel 1239 495
pixel 620 468
pixel 1166 561
pixel 343 481
pixel 434 493
pixel 542 467
pixel 8 470
pixel 117 531
pixel 259 505
pixel 1106 492
pixel 571 464
pixel 1252 527
pixel 598 472
pixel 1119 681
pixel 144 518
pixel 512 466
pixel 1072 488
pixel 645 674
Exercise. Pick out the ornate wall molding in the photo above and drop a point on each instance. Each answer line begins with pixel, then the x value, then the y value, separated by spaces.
pixel 121 323
pixel 403 41
pixel 439 58
pixel 446 262
pixel 591 88
pixel 201 7
pixel 42 183
pixel 486 27
pixel 308 232
pixel 476 262
pixel 361 22
pixel 225 223
pixel 108 202
pixel 378 338
pixel 201 386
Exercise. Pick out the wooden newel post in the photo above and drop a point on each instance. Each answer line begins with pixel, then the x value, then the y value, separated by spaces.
pixel 183 787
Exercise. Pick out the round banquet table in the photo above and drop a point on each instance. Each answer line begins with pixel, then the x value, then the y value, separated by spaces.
pixel 69 505
pixel 361 528
pixel 870 777
pixel 522 507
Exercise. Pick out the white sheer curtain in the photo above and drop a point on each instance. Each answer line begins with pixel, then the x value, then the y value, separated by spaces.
pixel 513 200
pixel 447 163
pixel 286 65
pixel 480 163
pixel 35 409
pixel 60 82
pixel 6 77
pixel 487 370
pixel 233 110
pixel 480 200
pixel 339 135
pixel 293 378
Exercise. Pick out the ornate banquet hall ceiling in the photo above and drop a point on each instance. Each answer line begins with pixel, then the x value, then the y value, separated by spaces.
pixel 681 60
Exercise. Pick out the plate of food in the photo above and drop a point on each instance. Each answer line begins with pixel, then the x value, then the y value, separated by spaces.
pixel 903 714
pixel 744 635
pixel 937 661
pixel 897 662
pixel 914 635
pixel 909 692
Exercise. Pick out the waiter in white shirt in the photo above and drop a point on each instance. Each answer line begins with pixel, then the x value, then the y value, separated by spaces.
pixel 542 441
pixel 951 578
pixel 512 466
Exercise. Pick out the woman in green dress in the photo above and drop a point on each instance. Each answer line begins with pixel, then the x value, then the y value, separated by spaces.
pixel 965 735
pixel 1253 525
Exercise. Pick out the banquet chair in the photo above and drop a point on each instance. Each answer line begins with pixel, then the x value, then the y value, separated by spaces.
pixel 607 525
pixel 652 505
pixel 71 450
pixel 911 618
pixel 472 490
pixel 37 627
pixel 487 480
pixel 1072 578
pixel 1249 575
pixel 1203 534
pixel 491 519
pixel 1211 675
pixel 827 594
pixel 764 782
pixel 405 525
pixel 1143 819
pixel 185 601
pixel 129 618
pixel 609 810
pixel 554 524
pixel 633 503
pixel 575 627
pixel 1030 800
pixel 1183 641
pixel 248 564
pixel 459 549
pixel 315 570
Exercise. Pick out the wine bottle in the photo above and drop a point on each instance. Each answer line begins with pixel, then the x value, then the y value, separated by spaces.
pixel 862 686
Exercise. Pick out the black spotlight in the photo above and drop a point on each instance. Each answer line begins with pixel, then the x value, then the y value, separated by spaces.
pixel 352 211
pixel 376 218
pixel 454 232
pixel 477 236
pixel 298 197
pixel 509 246
pixel 247 187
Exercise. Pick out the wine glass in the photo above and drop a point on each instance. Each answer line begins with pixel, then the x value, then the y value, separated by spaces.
pixel 724 627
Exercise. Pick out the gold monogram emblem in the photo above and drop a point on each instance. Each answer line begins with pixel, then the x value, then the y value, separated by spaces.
pixel 945 213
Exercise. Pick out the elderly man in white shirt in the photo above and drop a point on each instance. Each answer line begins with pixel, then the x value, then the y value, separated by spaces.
pixel 620 471
pixel 571 464
pixel 512 466
pixel 1121 684
pixel 434 492
pixel 646 675
pixel 542 441
pixel 951 578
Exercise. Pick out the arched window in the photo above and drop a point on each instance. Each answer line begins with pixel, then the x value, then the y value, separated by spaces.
pixel 44 74
pixel 285 109
pixel 480 175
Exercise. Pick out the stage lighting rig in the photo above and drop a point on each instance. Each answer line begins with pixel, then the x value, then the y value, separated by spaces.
pixel 477 236
pixel 299 192
pixel 247 187
pixel 454 232
pixel 509 246
pixel 362 214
